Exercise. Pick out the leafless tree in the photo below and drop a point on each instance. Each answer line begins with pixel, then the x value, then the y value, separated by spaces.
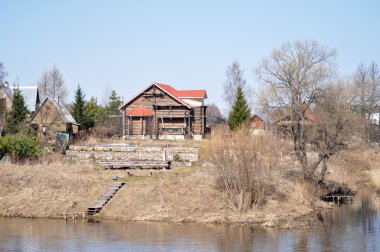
pixel 214 116
pixel 3 73
pixel 334 126
pixel 366 88
pixel 294 76
pixel 52 84
pixel 44 84
pixel 234 80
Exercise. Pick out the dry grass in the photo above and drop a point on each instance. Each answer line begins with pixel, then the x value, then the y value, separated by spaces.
pixel 242 167
pixel 182 194
pixel 48 189
pixel 190 195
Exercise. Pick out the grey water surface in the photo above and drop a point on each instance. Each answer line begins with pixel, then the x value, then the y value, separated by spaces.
pixel 346 229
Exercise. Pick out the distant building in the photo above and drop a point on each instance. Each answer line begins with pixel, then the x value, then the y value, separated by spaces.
pixel 308 115
pixel 31 97
pixel 257 122
pixel 30 94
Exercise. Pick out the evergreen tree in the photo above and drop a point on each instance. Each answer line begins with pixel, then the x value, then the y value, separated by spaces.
pixel 114 103
pixel 18 114
pixel 93 113
pixel 78 106
pixel 240 111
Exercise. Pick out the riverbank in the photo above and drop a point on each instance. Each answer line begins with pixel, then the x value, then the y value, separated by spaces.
pixel 183 194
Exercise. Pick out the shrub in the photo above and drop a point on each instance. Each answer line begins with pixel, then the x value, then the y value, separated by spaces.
pixel 242 166
pixel 19 147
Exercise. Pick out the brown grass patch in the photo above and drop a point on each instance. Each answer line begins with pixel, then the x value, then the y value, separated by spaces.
pixel 49 189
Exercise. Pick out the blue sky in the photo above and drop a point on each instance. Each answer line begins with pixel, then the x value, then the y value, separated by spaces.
pixel 126 45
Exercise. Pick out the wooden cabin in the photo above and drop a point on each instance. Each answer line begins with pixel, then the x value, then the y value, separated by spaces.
pixel 161 112
pixel 53 117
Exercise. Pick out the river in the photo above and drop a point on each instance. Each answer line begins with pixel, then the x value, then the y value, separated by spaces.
pixel 346 229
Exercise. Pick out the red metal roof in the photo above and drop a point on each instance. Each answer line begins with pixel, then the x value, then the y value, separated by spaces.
pixel 256 118
pixel 306 112
pixel 140 112
pixel 192 93
pixel 183 93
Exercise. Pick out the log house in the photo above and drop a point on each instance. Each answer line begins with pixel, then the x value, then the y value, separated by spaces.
pixel 162 112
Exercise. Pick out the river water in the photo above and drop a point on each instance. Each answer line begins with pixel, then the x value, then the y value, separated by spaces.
pixel 346 229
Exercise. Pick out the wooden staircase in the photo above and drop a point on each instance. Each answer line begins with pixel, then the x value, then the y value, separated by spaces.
pixel 102 200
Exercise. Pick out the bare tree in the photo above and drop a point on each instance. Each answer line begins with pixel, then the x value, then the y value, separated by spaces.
pixel 214 116
pixel 334 126
pixel 44 84
pixel 52 84
pixel 3 73
pixel 234 80
pixel 295 75
pixel 366 89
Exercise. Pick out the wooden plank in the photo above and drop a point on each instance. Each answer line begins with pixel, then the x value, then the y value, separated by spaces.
pixel 140 164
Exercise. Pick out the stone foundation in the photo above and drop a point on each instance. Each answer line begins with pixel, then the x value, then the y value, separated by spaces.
pixel 180 155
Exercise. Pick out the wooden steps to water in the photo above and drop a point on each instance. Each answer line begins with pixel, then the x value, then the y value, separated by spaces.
pixel 104 198
pixel 338 199
pixel 135 164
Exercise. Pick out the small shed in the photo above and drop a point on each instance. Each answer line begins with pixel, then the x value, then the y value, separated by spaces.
pixel 257 122
pixel 52 117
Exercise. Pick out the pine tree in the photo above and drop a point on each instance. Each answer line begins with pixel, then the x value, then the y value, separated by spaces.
pixel 114 103
pixel 78 106
pixel 18 114
pixel 240 111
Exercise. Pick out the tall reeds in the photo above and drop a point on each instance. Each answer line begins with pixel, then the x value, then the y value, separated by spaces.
pixel 242 167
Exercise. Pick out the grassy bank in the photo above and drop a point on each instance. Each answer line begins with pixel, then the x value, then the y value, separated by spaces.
pixel 49 189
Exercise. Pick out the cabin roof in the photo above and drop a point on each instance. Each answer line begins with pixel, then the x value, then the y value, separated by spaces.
pixel 177 95
pixel 30 94
pixel 258 117
pixel 7 90
pixel 60 108
pixel 306 111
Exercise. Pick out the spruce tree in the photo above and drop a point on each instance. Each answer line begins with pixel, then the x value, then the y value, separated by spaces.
pixel 240 110
pixel 114 103
pixel 78 106
pixel 18 114
pixel 93 113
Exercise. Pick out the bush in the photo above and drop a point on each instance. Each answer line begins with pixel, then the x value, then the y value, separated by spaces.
pixel 19 147
pixel 242 166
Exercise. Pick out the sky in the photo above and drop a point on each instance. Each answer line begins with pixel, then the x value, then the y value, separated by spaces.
pixel 126 45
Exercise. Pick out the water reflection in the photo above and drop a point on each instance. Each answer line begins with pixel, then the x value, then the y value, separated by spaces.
pixel 347 229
